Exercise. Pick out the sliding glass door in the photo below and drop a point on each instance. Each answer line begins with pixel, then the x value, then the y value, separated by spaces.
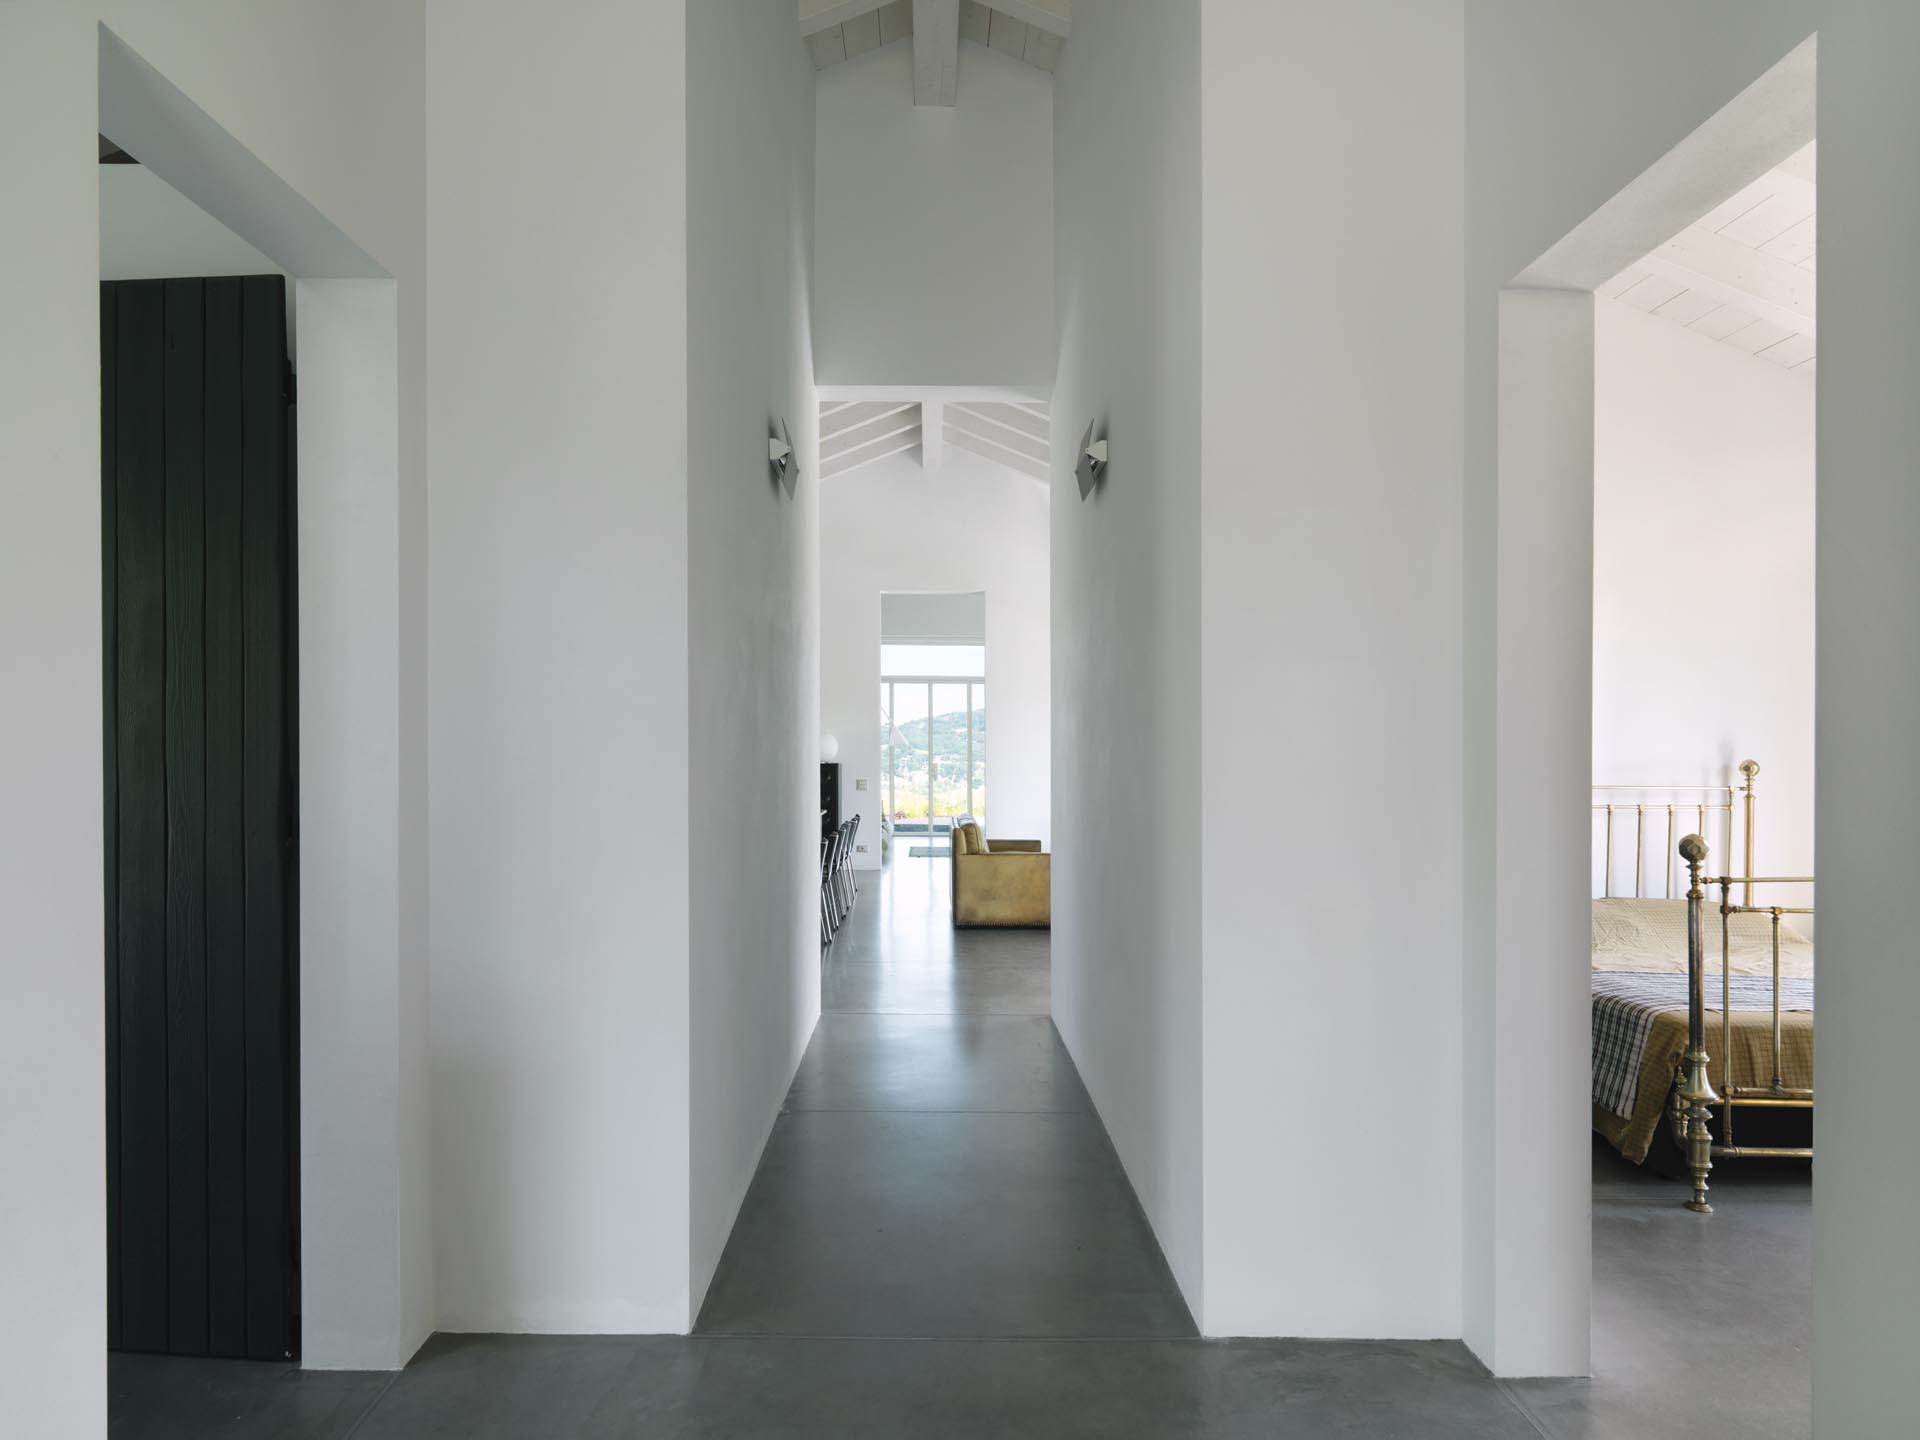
pixel 934 755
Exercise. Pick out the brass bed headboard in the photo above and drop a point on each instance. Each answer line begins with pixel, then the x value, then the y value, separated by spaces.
pixel 1687 808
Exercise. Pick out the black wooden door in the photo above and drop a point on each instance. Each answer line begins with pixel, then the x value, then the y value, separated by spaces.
pixel 197 563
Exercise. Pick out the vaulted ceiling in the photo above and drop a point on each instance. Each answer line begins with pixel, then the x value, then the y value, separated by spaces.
pixel 1028 30
pixel 1743 273
pixel 1007 429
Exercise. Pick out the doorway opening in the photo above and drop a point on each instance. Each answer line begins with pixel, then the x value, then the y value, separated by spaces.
pixel 266 1051
pixel 1655 402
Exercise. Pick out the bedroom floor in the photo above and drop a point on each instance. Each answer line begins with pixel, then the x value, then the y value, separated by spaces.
pixel 1702 1325
pixel 940 1241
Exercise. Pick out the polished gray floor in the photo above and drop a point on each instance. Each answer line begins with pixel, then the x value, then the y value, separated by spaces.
pixel 938 1172
pixel 940 1242
pixel 1702 1325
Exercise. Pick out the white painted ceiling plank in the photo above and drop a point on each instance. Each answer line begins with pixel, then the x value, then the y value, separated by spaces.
pixel 818 15
pixel 896 21
pixel 856 413
pixel 870 433
pixel 973 21
pixel 936 52
pixel 1718 324
pixel 829 47
pixel 862 34
pixel 1652 292
pixel 1007 35
pixel 1622 283
pixel 1772 217
pixel 1008 418
pixel 1776 190
pixel 1792 351
pixel 1035 416
pixel 1698 259
pixel 1043 49
pixel 987 450
pixel 1688 306
pixel 871 455
pixel 1758 336
pixel 1794 245
pixel 1006 440
pixel 1050 17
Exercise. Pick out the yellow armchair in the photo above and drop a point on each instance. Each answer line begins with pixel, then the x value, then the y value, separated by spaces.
pixel 1000 882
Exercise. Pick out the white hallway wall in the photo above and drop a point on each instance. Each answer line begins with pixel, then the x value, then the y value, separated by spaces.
pixel 1702 516
pixel 272 77
pixel 558 417
pixel 935 224
pixel 967 525
pixel 1126 598
pixel 599 489
pixel 1256 549
pixel 1330 658
pixel 753 650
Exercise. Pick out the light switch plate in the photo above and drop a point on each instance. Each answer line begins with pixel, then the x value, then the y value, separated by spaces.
pixel 860 784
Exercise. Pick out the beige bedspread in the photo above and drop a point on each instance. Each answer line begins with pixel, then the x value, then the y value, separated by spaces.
pixel 1752 1065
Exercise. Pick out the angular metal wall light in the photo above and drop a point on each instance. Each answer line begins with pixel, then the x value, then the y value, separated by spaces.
pixel 786 468
pixel 1092 466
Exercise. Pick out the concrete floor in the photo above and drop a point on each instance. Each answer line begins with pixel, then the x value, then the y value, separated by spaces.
pixel 941 1242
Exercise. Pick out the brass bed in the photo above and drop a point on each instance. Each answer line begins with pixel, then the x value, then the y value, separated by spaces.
pixel 1739 1036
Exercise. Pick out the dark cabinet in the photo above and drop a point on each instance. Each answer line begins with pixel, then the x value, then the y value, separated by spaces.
pixel 829 796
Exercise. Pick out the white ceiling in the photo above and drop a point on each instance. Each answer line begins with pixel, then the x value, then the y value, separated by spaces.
pixel 1743 273
pixel 1010 431
pixel 1028 30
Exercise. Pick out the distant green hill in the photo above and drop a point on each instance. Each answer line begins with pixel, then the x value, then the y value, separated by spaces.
pixel 949 735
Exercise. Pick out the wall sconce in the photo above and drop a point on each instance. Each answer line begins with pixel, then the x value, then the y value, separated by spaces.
pixel 786 469
pixel 1092 466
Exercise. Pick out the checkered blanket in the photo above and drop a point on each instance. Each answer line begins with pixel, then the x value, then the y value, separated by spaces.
pixel 1625 1004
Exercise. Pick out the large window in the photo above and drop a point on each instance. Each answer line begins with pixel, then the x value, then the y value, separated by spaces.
pixel 933 730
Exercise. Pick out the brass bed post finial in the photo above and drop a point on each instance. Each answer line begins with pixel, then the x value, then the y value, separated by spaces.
pixel 1695 1091
pixel 1749 768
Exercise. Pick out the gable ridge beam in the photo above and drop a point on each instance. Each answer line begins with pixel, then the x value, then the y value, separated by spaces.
pixel 936 52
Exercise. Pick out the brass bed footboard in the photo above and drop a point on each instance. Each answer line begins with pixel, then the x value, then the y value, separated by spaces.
pixel 1691 1112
